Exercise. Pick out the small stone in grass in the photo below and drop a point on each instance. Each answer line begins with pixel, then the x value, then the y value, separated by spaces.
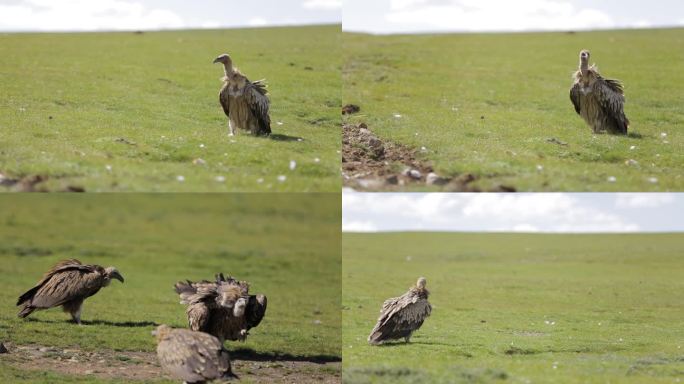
pixel 293 165
pixel 220 179
pixel 653 180
pixel 282 178
pixel 398 116
pixel 260 180
pixel 317 160
pixel 663 135
pixel 3 349
pixel 108 167
pixel 199 161
pixel 631 162
pixel 201 145
pixel 540 167
pixel 612 179
pixel 632 147
pixel 180 178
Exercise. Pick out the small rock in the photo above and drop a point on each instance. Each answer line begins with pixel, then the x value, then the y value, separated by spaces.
pixel 199 161
pixel 3 349
pixel 317 160
pixel 633 147
pixel 108 167
pixel 282 178
pixel 279 122
pixel 220 179
pixel 398 116
pixel 434 179
pixel 612 179
pixel 293 165
pixel 350 108
pixel 412 173
pixel 201 146
pixel 317 322
pixel 540 167
pixel 653 180
pixel 180 178
pixel 631 162
pixel 663 135
pixel 260 180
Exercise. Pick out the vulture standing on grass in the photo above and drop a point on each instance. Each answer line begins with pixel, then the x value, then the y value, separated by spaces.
pixel 244 102
pixel 599 101
pixel 193 357
pixel 67 284
pixel 223 308
pixel 403 315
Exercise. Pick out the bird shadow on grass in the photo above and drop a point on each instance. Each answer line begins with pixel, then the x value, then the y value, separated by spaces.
pixel 281 137
pixel 126 324
pixel 635 135
pixel 252 355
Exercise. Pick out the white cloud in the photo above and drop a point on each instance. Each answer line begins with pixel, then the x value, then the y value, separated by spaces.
pixel 643 200
pixel 257 22
pixel 524 212
pixel 85 15
pixel 322 4
pixel 358 226
pixel 494 15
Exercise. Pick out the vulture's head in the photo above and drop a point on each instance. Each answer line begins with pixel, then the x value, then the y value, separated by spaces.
pixel 584 56
pixel 112 273
pixel 161 332
pixel 421 283
pixel 224 59
pixel 228 295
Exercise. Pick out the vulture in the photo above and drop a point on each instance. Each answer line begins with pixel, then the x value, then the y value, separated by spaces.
pixel 194 357
pixel 68 284
pixel 403 315
pixel 599 101
pixel 244 102
pixel 223 308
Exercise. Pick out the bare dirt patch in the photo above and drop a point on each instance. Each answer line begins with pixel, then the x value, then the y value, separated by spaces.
pixel 140 366
pixel 370 163
pixel 32 183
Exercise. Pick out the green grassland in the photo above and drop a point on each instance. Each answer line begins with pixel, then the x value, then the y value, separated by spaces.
pixel 132 111
pixel 497 106
pixel 286 246
pixel 519 308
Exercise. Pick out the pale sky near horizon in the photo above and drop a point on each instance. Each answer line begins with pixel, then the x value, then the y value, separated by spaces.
pixel 114 15
pixel 414 16
pixel 519 212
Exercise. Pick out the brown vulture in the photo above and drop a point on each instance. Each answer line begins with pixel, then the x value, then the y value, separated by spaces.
pixel 403 315
pixel 68 284
pixel 243 101
pixel 223 308
pixel 599 101
pixel 194 357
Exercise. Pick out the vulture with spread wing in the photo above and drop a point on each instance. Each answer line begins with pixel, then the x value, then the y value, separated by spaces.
pixel 403 315
pixel 244 102
pixel 67 284
pixel 194 357
pixel 223 308
pixel 599 101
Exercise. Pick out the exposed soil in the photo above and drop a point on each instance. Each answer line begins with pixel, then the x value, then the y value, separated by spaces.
pixel 350 108
pixel 369 163
pixel 32 183
pixel 132 366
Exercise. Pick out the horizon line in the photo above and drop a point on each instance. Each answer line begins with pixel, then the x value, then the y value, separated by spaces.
pixel 134 30
pixel 494 32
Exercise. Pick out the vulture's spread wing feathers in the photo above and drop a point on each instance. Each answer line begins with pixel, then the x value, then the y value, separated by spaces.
pixel 612 99
pixel 193 356
pixel 575 93
pixel 255 95
pixel 256 309
pixel 198 316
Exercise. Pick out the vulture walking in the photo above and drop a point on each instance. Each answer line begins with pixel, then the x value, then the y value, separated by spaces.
pixel 68 284
pixel 599 101
pixel 193 357
pixel 403 315
pixel 223 308
pixel 244 102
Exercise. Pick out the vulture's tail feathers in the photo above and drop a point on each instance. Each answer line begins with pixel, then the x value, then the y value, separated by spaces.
pixel 26 297
pixel 27 310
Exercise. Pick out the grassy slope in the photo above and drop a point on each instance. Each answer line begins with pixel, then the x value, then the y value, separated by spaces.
pixel 287 246
pixel 160 91
pixel 486 104
pixel 613 305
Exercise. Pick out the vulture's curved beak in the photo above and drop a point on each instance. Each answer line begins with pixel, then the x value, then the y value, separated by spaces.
pixel 216 60
pixel 117 275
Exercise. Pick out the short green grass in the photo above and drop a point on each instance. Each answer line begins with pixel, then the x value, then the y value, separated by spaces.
pixel 519 308
pixel 132 112
pixel 487 104
pixel 287 246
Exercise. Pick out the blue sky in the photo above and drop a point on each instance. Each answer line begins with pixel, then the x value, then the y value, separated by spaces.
pixel 410 16
pixel 520 212
pixel 90 15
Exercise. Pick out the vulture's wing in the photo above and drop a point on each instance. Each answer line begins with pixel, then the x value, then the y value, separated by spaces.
pixel 64 283
pixel 223 99
pixel 198 316
pixel 575 96
pixel 255 95
pixel 255 311
pixel 197 356
pixel 187 289
pixel 401 314
pixel 612 99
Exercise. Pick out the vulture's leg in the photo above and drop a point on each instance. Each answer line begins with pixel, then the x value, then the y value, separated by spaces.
pixel 231 130
pixel 74 309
